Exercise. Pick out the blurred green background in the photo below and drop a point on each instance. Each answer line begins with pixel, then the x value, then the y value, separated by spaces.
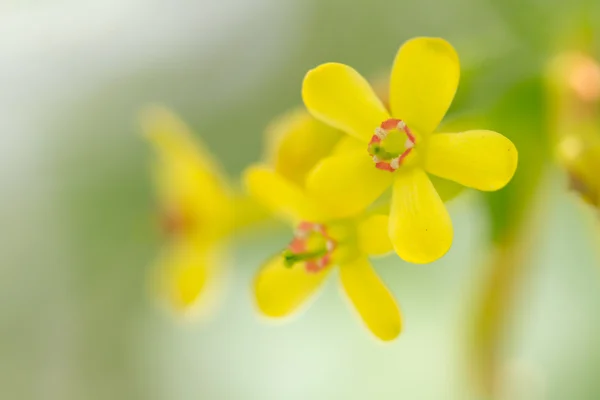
pixel 80 227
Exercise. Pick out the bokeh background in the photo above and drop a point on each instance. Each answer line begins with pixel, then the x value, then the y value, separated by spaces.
pixel 79 223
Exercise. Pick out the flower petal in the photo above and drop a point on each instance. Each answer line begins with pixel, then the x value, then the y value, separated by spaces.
pixel 480 159
pixel 182 273
pixel 371 298
pixel 348 144
pixel 297 141
pixel 174 140
pixel 279 195
pixel 373 237
pixel 188 179
pixel 281 290
pixel 423 83
pixel 339 96
pixel 348 183
pixel 420 227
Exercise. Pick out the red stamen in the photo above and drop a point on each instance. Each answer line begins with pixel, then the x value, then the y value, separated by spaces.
pixel 297 245
pixel 305 226
pixel 321 229
pixel 374 139
pixel 385 166
pixel 410 135
pixel 390 124
pixel 312 266
pixel 403 156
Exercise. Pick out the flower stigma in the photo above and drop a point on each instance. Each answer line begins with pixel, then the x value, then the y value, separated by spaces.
pixel 311 245
pixel 389 149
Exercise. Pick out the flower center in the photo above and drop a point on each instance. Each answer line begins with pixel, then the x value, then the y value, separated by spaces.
pixel 391 144
pixel 311 245
pixel 174 222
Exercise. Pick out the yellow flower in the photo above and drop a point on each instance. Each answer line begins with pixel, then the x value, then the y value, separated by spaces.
pixel 400 149
pixel 196 206
pixel 574 83
pixel 289 279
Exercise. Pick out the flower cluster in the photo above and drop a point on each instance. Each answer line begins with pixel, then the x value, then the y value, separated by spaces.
pixel 326 175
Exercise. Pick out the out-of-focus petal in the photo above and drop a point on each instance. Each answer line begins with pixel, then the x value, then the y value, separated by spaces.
pixel 480 159
pixel 297 141
pixel 248 211
pixel 188 179
pixel 420 227
pixel 279 195
pixel 182 273
pixel 424 80
pixel 281 290
pixel 347 184
pixel 173 139
pixel 339 96
pixel 373 301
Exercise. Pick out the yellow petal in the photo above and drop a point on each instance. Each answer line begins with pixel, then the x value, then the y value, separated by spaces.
pixel 182 273
pixel 347 184
pixel 339 96
pixel 281 290
pixel 420 227
pixel 373 237
pixel 248 211
pixel 423 83
pixel 483 160
pixel 188 179
pixel 280 196
pixel 297 141
pixel 372 299
pixel 348 144
pixel 173 140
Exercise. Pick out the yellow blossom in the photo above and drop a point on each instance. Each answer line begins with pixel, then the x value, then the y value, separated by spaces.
pixel 319 243
pixel 399 149
pixel 196 210
pixel 574 84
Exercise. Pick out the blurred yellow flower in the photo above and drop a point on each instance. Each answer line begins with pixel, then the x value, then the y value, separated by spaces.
pixel 289 279
pixel 399 151
pixel 296 142
pixel 574 84
pixel 197 209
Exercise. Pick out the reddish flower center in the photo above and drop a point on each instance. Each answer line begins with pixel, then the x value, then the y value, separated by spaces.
pixel 174 222
pixel 311 245
pixel 388 148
